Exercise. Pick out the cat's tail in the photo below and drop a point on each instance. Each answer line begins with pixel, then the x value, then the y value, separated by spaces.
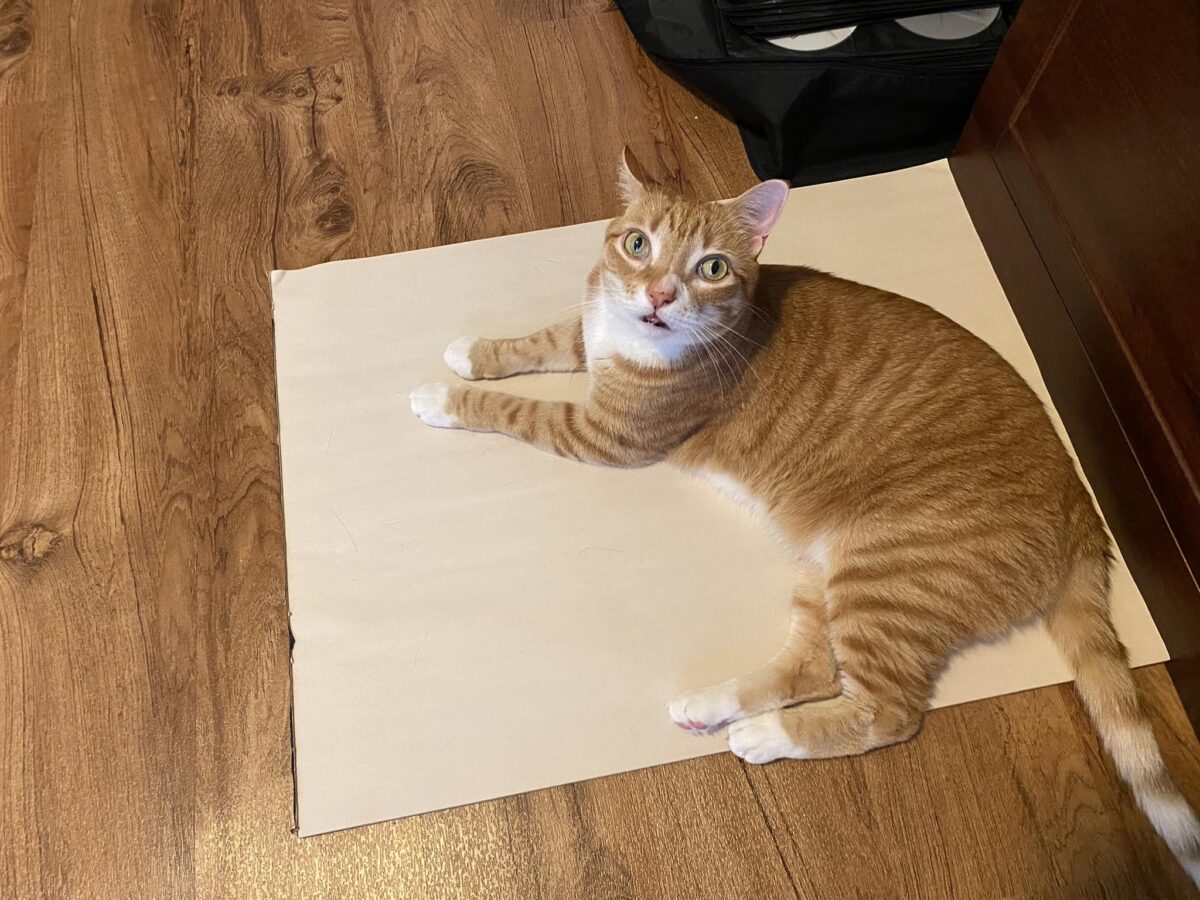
pixel 1081 627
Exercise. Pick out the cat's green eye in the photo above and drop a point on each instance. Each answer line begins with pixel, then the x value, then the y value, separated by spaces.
pixel 713 268
pixel 636 244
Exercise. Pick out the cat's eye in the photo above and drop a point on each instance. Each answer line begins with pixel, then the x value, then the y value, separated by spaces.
pixel 713 268
pixel 636 244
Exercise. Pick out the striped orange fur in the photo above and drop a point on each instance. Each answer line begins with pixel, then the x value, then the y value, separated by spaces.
pixel 927 496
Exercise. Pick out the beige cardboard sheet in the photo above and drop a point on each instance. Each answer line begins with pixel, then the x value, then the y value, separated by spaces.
pixel 473 618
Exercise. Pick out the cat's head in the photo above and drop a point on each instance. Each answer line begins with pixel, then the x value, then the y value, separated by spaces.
pixel 676 274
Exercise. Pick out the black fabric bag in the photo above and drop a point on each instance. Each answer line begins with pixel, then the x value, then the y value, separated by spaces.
pixel 881 99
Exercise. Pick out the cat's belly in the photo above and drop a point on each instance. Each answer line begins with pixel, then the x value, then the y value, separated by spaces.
pixel 735 491
pixel 813 548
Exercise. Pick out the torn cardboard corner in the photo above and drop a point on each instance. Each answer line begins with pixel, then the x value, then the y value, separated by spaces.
pixel 474 618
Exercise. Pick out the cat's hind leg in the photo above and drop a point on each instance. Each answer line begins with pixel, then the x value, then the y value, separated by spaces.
pixel 803 670
pixel 558 348
pixel 888 660
pixel 846 725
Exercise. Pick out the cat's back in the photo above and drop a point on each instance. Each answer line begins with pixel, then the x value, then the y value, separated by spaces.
pixel 871 397
pixel 841 337
pixel 859 318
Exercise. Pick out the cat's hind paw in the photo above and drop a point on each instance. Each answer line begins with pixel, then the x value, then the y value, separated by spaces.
pixel 431 404
pixel 762 739
pixel 707 711
pixel 458 357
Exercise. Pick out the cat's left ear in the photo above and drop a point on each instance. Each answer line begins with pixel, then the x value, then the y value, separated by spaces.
pixel 759 209
pixel 631 177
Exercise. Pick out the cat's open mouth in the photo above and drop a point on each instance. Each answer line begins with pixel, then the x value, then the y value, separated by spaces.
pixel 654 320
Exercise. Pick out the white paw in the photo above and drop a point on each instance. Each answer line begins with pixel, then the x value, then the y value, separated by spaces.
pixel 707 710
pixel 458 356
pixel 430 404
pixel 762 738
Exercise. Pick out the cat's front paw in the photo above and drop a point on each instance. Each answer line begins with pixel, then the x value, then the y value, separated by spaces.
pixel 762 739
pixel 708 710
pixel 431 404
pixel 458 357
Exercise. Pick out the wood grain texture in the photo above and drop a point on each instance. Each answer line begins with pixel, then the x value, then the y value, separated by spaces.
pixel 157 160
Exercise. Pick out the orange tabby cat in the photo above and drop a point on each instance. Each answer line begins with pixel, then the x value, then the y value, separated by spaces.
pixel 927 496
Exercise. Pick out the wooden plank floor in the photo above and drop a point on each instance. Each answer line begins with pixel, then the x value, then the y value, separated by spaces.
pixel 157 158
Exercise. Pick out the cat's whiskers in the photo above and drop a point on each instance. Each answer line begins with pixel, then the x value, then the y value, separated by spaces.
pixel 713 359
pixel 766 319
pixel 571 310
pixel 717 356
pixel 730 328
pixel 706 331
pixel 728 343
pixel 730 362
pixel 716 369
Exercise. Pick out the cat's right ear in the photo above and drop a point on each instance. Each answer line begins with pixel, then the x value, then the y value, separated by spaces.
pixel 631 177
pixel 759 209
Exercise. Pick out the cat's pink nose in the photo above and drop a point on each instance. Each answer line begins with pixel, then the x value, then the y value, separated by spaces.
pixel 661 294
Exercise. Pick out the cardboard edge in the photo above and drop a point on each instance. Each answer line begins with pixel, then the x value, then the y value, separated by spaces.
pixel 276 277
pixel 306 835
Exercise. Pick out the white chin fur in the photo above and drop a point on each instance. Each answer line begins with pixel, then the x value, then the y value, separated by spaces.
pixel 611 327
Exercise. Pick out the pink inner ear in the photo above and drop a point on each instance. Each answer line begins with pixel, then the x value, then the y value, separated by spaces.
pixel 760 208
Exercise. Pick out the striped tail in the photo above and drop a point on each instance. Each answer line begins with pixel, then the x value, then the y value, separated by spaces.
pixel 1081 627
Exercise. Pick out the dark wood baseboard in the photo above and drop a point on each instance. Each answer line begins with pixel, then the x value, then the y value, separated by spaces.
pixel 1103 448
pixel 1077 167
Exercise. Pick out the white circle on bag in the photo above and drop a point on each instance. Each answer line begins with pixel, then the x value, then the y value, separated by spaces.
pixel 814 40
pixel 951 26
